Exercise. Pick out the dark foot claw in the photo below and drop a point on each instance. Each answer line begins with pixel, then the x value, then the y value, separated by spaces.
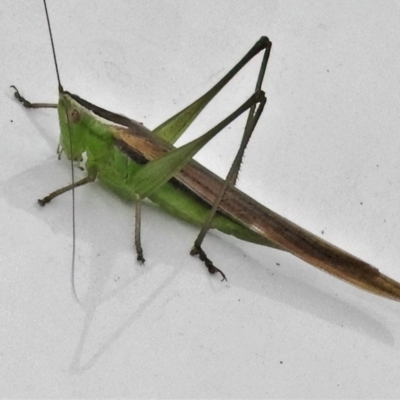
pixel 141 259
pixel 21 99
pixel 44 201
pixel 212 269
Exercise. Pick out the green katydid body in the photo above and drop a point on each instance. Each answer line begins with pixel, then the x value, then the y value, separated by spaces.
pixel 138 163
pixel 118 148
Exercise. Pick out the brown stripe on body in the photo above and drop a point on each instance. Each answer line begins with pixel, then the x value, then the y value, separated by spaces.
pixel 274 227
pixel 247 211
pixel 289 236
pixel 142 146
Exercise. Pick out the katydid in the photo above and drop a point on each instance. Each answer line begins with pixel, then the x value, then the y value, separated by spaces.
pixel 140 164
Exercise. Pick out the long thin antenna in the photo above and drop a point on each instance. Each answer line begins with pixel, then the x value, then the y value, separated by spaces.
pixel 60 90
pixel 52 47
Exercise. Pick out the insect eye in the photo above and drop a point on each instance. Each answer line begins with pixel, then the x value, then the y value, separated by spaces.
pixel 74 116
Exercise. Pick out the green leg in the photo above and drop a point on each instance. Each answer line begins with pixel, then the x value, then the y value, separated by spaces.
pixel 172 129
pixel 230 181
pixel 157 172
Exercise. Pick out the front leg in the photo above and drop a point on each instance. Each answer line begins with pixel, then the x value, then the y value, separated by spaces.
pixel 51 196
pixel 28 104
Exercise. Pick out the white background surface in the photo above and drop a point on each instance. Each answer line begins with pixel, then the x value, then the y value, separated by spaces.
pixel 326 155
